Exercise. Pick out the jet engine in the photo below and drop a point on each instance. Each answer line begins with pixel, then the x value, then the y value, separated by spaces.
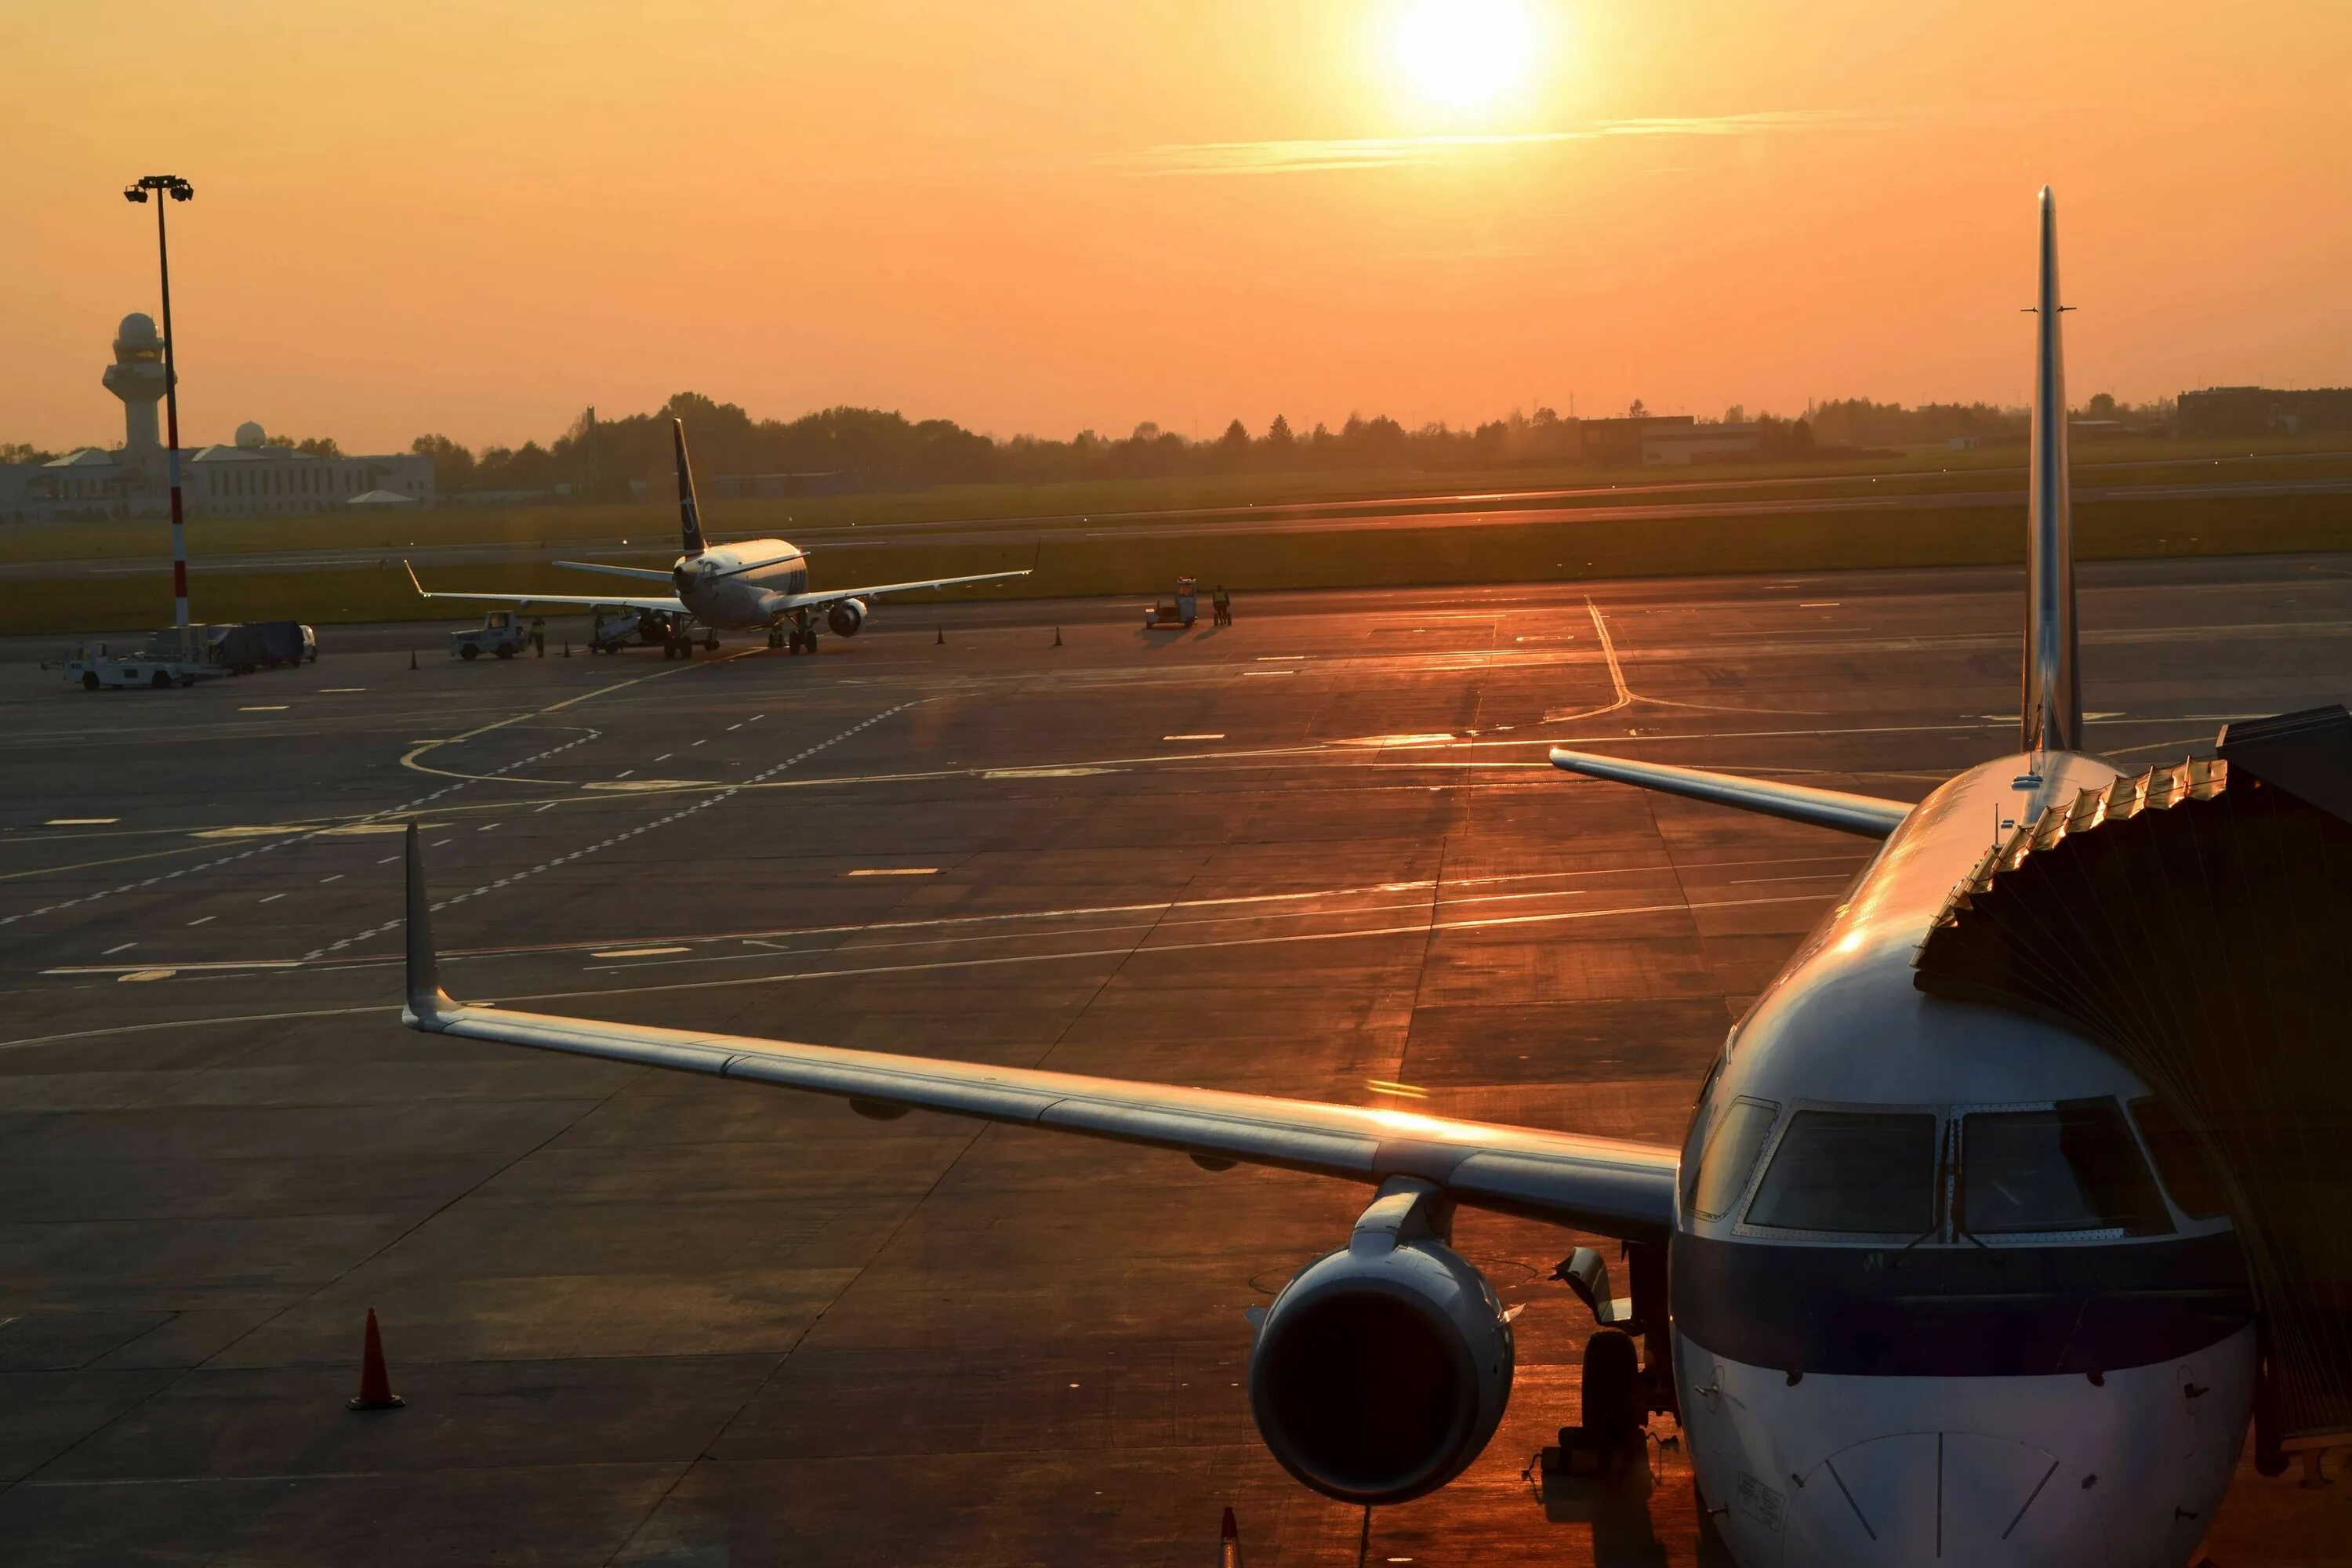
pixel 1381 1369
pixel 846 616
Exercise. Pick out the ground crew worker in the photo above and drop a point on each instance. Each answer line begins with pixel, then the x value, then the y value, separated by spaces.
pixel 538 634
pixel 1222 602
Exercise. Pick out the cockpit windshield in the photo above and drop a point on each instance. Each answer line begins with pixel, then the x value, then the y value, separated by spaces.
pixel 1864 1172
pixel 2072 1166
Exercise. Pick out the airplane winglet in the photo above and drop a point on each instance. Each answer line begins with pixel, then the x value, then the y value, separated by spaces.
pixel 425 1001
pixel 412 579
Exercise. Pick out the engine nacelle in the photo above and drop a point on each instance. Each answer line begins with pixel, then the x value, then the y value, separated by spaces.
pixel 846 616
pixel 1382 1370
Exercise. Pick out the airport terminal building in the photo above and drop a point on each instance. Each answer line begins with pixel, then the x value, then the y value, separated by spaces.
pixel 248 478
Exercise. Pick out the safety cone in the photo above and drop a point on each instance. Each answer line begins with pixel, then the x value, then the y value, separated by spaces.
pixel 1229 1543
pixel 375 1384
pixel 943 636
pixel 412 659
pixel 567 647
pixel 1057 636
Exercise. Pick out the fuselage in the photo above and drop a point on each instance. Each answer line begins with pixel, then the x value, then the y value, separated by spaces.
pixel 740 584
pixel 1932 1296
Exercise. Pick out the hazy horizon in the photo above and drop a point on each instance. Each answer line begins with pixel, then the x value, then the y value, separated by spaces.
pixel 1047 216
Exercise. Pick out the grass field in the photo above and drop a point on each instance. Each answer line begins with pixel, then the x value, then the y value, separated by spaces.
pixel 1930 469
pixel 2104 530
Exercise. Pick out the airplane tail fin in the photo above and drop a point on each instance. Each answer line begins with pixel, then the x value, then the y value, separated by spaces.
pixel 689 515
pixel 2051 711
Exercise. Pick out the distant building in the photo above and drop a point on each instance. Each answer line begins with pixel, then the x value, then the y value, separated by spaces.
pixel 2262 411
pixel 1619 443
pixel 134 480
pixel 1693 442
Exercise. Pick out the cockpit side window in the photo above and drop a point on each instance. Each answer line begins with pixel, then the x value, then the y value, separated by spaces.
pixel 1862 1173
pixel 1732 1146
pixel 2182 1162
pixel 1702 1123
pixel 2072 1166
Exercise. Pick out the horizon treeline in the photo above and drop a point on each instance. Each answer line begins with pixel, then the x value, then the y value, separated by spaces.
pixel 867 448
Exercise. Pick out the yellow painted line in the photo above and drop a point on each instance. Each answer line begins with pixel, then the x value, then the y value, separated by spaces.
pixel 636 951
pixel 147 974
pixel 1073 773
pixel 1402 1090
pixel 894 872
pixel 1218 736
pixel 263 708
pixel 79 821
pixel 363 829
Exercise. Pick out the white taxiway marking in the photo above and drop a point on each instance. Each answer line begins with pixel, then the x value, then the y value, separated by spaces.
pixel 1269 672
pixel 275 897
pixel 665 756
pixel 1218 736
pixel 79 821
pixel 200 920
pixel 111 952
pixel 336 878
pixel 894 872
pixel 1280 657
pixel 1821 604
pixel 263 708
pixel 323 690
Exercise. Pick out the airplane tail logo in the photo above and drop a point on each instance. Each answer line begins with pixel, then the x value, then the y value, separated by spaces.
pixel 689 516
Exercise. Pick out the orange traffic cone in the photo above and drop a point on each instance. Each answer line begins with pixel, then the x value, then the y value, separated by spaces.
pixel 943 636
pixel 1057 636
pixel 375 1384
pixel 1229 1543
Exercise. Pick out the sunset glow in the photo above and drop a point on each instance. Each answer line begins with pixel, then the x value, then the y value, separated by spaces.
pixel 1049 214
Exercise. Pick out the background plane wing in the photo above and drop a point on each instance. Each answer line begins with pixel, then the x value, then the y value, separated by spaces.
pixel 1865 814
pixel 1591 1184
pixel 669 605
pixel 811 601
pixel 642 573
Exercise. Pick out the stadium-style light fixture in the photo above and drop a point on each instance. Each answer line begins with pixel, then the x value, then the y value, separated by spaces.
pixel 180 191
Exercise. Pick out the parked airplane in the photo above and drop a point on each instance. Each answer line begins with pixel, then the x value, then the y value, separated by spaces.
pixel 757 585
pixel 1926 1279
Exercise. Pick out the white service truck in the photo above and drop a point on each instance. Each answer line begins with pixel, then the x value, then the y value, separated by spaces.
pixel 98 666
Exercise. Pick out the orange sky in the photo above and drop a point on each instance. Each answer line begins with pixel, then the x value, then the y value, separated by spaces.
pixel 1036 214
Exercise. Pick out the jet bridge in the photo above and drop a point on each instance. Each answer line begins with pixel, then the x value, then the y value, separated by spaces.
pixel 2194 920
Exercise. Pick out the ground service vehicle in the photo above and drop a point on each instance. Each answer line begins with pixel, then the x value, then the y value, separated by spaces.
pixel 502 632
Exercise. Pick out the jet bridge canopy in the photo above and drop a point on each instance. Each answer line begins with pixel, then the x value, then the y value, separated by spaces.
pixel 2193 920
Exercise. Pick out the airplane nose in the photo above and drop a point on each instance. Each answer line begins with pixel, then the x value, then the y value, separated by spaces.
pixel 1957 1497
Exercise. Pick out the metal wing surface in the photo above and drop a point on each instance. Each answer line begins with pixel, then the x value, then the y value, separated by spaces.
pixel 1595 1184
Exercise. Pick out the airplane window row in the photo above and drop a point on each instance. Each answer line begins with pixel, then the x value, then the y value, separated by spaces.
pixel 2070 1167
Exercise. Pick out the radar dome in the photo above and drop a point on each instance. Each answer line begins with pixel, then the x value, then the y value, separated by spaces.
pixel 249 434
pixel 138 327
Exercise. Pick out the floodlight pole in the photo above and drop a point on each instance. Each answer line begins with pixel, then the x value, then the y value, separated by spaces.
pixel 178 190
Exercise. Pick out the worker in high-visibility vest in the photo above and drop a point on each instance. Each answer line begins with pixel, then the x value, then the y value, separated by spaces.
pixel 538 634
pixel 1221 604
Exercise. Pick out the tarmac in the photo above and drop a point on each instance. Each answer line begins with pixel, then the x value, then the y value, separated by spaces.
pixel 646 1318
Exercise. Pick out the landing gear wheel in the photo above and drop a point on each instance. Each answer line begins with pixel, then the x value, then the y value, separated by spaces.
pixel 775 639
pixel 686 647
pixel 710 643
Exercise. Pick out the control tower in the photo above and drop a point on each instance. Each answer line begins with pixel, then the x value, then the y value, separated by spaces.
pixel 136 376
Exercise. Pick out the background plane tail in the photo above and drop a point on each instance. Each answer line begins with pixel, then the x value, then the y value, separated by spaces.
pixel 2051 710
pixel 689 515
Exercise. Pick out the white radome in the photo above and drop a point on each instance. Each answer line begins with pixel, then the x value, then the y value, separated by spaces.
pixel 250 433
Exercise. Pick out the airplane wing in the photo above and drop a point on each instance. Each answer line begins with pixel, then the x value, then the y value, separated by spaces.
pixel 1598 1185
pixel 670 605
pixel 642 573
pixel 811 601
pixel 1861 813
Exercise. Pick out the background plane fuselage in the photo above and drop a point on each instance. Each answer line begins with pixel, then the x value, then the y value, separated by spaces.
pixel 738 585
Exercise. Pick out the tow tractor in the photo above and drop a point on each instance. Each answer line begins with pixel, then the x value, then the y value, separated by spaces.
pixel 1171 616
pixel 502 632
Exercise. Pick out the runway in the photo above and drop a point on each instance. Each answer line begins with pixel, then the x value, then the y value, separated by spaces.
pixel 652 1320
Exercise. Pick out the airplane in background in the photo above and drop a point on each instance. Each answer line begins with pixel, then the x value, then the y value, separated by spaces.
pixel 757 584
pixel 1927 1278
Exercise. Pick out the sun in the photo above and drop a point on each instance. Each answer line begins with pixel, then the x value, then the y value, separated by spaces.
pixel 1463 55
